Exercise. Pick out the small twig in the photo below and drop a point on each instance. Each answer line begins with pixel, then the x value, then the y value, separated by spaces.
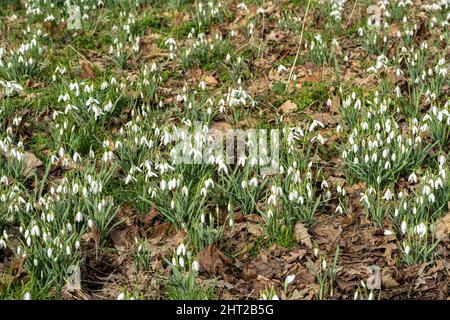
pixel 351 14
pixel 98 20
pixel 80 54
pixel 300 42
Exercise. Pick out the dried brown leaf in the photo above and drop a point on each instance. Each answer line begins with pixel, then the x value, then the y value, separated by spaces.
pixel 301 234
pixel 442 229
pixel 287 106
pixel 212 260
pixel 31 162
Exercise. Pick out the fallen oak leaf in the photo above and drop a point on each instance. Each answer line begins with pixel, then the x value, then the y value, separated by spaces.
pixel 287 106
pixel 149 217
pixel 301 235
pixel 87 73
pixel 326 118
pixel 442 228
pixel 119 239
pixel 335 104
pixel 210 80
pixel 212 260
pixel 31 162
pixel 387 279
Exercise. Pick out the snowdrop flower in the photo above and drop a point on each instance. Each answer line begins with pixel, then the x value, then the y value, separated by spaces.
pixel 388 195
pixel 181 250
pixel 79 217
pixel 195 266
pixel 242 6
pixel 281 69
pixel 290 279
pixel 27 296
pixel 407 249
pixel 412 178
pixel 181 262
pixel 404 227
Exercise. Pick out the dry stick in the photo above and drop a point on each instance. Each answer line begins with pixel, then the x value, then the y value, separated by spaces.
pixel 80 54
pixel 300 43
pixel 351 14
pixel 349 19
pixel 98 20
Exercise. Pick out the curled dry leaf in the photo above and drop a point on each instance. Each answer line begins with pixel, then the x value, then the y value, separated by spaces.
pixel 31 162
pixel 442 228
pixel 287 106
pixel 301 235
pixel 213 260
pixel 87 73
pixel 326 118
pixel 119 239
pixel 335 104
pixel 210 80
pixel 387 279
pixel 149 217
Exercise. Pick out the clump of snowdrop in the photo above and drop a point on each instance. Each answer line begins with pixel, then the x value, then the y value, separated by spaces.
pixel 325 273
pixel 337 6
pixel 202 51
pixel 11 87
pixel 24 61
pixel 183 283
pixel 438 122
pixel 376 151
pixel 268 294
pixel 319 50
pixel 148 83
pixel 124 43
pixel 364 293
pixel 206 13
